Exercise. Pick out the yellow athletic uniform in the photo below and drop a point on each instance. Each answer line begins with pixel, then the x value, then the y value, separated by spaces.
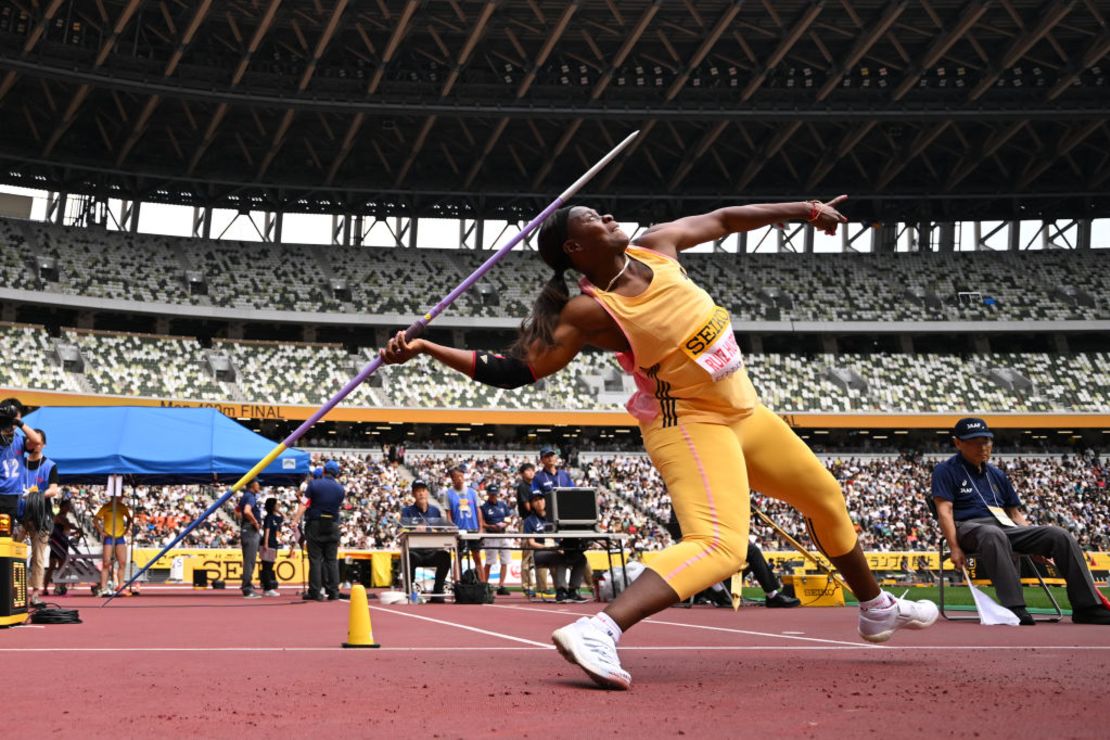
pixel 113 519
pixel 706 431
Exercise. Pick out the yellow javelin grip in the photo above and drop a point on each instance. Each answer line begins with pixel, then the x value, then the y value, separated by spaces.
pixel 259 467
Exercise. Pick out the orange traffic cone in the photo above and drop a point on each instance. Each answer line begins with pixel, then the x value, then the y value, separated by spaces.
pixel 359 634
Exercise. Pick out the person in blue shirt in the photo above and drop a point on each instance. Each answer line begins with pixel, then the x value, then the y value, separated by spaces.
pixel 272 523
pixel 422 514
pixel 550 472
pixel 979 511
pixel 13 437
pixel 320 511
pixel 557 561
pixel 496 516
pixel 464 513
pixel 250 532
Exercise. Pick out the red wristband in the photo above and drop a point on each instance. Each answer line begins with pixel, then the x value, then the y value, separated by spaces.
pixel 814 211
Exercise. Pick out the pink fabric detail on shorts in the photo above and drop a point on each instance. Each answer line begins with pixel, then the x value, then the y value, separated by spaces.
pixel 712 506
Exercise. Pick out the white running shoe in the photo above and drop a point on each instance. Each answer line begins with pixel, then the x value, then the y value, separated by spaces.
pixel 592 650
pixel 271 592
pixel 877 625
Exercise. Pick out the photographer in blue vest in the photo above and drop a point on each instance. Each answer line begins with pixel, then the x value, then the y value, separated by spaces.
pixel 14 435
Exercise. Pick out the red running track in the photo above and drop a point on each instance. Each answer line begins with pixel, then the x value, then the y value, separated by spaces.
pixel 213 665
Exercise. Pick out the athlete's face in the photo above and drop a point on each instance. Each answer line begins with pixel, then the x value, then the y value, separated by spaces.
pixel 976 450
pixel 593 232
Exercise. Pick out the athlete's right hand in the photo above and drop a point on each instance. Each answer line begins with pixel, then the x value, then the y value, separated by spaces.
pixel 399 350
pixel 828 218
pixel 958 558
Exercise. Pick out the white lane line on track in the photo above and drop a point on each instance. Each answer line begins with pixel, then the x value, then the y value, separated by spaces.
pixel 479 630
pixel 703 627
pixel 259 649
pixel 636 648
pixel 537 609
pixel 774 635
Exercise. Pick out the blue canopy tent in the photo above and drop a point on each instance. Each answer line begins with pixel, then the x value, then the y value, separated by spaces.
pixel 158 446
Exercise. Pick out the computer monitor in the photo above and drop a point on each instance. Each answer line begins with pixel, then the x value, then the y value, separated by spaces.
pixel 572 508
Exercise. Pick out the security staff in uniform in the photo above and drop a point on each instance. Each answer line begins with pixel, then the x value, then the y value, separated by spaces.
pixel 320 510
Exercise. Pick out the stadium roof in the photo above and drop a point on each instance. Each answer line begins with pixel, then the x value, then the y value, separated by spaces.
pixel 932 109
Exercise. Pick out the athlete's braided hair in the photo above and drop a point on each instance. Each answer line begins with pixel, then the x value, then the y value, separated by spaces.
pixel 539 326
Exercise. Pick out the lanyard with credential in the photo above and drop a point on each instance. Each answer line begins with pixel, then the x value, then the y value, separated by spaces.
pixel 994 491
pixel 997 511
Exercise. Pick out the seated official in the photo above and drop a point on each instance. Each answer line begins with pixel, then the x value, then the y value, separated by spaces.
pixel 557 561
pixel 720 594
pixel 979 511
pixel 422 515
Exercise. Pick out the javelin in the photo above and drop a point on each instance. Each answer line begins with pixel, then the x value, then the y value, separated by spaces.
pixel 413 331
pixel 799 547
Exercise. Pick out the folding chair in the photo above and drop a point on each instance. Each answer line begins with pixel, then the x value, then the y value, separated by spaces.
pixel 1022 559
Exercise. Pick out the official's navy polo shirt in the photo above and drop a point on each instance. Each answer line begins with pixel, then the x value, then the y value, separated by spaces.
pixel 535 525
pixel 249 499
pixel 273 523
pixel 324 497
pixel 971 491
pixel 496 512
pixel 413 512
pixel 560 479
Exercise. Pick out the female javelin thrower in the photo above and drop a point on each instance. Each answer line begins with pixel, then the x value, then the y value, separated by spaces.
pixel 702 422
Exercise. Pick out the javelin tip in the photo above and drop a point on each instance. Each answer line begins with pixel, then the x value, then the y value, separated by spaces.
pixel 601 163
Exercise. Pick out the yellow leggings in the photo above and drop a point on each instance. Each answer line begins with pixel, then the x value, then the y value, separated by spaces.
pixel 709 470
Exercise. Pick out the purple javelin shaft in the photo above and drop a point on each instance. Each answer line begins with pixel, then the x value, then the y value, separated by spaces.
pixel 414 329
pixel 417 326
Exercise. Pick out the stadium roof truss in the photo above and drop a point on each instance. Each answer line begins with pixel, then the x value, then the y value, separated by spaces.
pixel 959 109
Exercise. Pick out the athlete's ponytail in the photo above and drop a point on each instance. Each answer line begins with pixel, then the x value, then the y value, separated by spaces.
pixel 540 325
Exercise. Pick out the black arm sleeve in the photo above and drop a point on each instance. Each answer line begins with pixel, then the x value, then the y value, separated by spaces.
pixel 500 371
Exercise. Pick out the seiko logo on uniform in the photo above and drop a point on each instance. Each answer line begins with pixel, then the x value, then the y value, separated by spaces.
pixel 713 346
pixel 708 334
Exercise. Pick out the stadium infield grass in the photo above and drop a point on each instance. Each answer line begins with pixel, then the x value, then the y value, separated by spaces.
pixel 960 596
pixel 956 598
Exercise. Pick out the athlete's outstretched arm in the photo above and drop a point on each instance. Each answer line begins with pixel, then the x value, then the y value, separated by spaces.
pixel 581 321
pixel 691 231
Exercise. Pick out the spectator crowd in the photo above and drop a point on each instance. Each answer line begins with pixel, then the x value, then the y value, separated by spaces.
pixel 885 497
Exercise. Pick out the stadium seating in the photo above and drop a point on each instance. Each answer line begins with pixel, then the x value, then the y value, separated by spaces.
pixel 978 286
pixel 296 373
pixel 27 359
pixel 132 364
